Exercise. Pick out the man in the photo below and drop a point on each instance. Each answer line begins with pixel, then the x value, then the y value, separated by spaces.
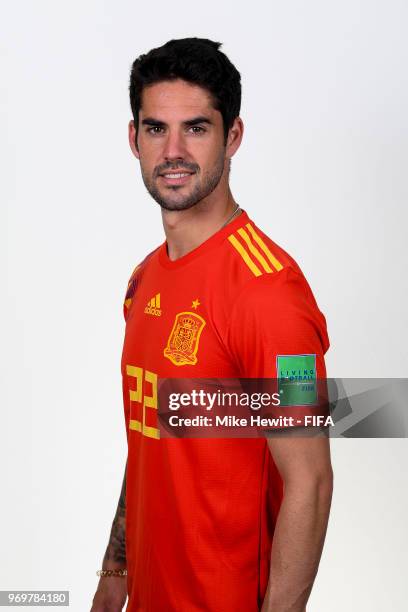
pixel 217 299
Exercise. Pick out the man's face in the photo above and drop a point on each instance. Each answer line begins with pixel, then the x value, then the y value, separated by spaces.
pixel 180 144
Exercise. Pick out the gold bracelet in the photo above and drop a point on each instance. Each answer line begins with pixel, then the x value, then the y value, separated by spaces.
pixel 115 573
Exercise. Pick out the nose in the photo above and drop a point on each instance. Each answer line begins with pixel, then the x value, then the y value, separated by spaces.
pixel 174 147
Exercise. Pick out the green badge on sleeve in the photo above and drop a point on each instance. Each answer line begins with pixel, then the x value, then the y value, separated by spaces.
pixel 297 379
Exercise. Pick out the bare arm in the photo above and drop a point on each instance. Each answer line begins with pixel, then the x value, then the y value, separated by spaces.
pixel 305 467
pixel 115 555
pixel 111 592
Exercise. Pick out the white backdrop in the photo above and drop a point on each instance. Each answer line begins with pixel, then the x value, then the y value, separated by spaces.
pixel 322 169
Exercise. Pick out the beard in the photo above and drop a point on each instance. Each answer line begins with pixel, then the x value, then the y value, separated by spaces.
pixel 171 197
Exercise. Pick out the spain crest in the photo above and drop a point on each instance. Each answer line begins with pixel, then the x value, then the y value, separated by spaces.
pixel 182 345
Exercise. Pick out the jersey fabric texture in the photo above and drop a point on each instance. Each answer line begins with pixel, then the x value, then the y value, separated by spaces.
pixel 200 513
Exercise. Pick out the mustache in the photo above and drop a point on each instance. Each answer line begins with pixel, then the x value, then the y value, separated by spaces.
pixel 175 166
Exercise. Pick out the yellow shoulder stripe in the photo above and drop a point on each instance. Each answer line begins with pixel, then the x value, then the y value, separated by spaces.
pixel 254 251
pixel 276 264
pixel 251 265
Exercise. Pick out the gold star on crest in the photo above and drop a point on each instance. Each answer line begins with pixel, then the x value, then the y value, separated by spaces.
pixel 195 304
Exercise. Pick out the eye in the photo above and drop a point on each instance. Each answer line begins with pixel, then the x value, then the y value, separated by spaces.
pixel 197 129
pixel 155 129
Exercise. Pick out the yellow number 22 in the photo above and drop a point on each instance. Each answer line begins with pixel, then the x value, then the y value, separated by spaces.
pixel 147 401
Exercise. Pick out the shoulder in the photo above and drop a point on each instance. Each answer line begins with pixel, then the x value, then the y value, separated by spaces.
pixel 287 288
pixel 272 292
pixel 260 253
pixel 135 279
pixel 252 259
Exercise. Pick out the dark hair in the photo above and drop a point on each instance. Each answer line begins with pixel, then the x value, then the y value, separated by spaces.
pixel 195 60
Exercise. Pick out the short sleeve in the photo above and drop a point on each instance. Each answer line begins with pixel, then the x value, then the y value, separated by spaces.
pixel 276 315
pixel 277 332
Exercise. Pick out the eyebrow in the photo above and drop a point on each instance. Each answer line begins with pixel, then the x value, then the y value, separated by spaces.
pixel 188 123
pixel 200 119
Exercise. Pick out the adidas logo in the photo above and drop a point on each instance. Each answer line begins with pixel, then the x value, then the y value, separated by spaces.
pixel 153 306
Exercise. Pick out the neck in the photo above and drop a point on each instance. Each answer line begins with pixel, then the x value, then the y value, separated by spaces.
pixel 186 229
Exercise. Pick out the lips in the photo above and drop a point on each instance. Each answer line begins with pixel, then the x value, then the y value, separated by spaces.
pixel 176 174
pixel 176 177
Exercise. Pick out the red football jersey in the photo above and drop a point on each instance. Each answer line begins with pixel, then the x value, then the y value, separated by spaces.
pixel 200 513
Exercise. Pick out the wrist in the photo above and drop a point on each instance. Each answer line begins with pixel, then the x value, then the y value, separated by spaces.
pixel 112 573
pixel 113 564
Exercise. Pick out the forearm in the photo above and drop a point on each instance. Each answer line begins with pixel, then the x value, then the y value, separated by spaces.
pixel 115 555
pixel 298 543
pixel 111 592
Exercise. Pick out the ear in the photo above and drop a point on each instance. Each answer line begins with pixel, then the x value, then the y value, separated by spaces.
pixel 235 135
pixel 132 138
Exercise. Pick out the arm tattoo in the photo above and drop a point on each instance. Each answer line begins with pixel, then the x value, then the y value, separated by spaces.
pixel 116 550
